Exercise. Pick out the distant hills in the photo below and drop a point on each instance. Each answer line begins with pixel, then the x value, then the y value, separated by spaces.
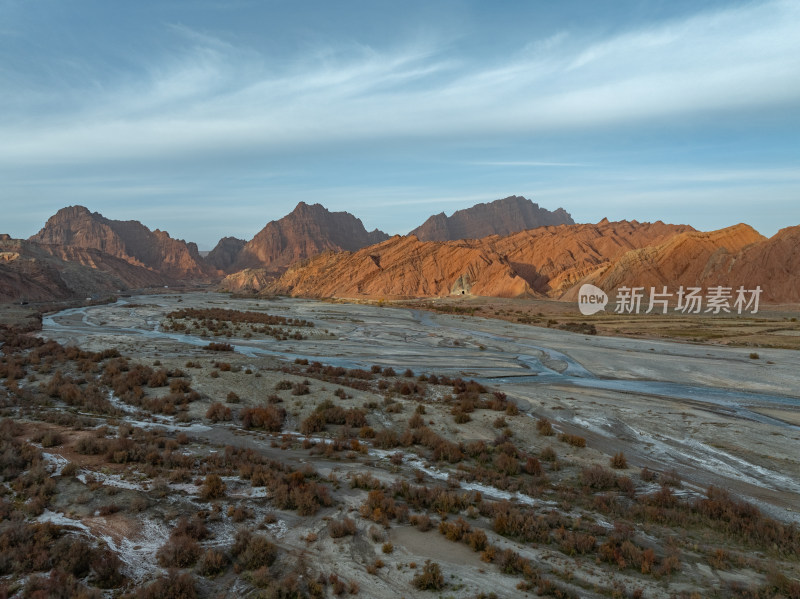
pixel 510 247
pixel 501 217
pixel 307 230
pixel 130 241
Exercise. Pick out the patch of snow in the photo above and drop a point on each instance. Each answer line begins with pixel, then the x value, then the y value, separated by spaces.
pixel 62 520
pixel 139 555
pixel 110 480
pixel 55 463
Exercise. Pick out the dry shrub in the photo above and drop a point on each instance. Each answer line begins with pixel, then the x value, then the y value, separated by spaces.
pixel 618 461
pixel 270 418
pixel 548 454
pixel 430 579
pixel 342 528
pixel 213 563
pixel 58 584
pixel 574 440
pixel 173 585
pixel 315 423
pixel 213 487
pixel 454 531
pixel 219 347
pixel 423 522
pixel 300 388
pixel 179 552
pixel 253 551
pixel 218 411
pixel 544 427
pixel 533 467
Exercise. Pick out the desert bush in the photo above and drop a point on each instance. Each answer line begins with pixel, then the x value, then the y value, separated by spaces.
pixel 313 424
pixel 423 522
pixel 548 454
pixel 213 487
pixel 212 563
pixel 300 388
pixel 58 584
pixel 173 585
pixel 105 566
pixel 179 551
pixel 232 397
pixel 342 528
pixel 253 551
pixel 544 427
pixel 430 579
pixel 270 418
pixel 574 440
pixel 574 542
pixel 213 346
pixel 647 475
pixel 618 461
pixel 194 528
pixel 455 530
pixel 217 411
pixel 507 464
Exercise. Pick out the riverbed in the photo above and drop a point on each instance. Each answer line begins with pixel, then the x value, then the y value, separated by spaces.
pixel 713 413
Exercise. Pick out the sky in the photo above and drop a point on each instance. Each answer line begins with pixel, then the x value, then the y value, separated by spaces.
pixel 208 118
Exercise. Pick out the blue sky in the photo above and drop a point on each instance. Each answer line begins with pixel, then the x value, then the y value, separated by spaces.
pixel 210 118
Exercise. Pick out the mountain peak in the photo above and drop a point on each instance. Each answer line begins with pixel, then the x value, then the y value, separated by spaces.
pixel 307 230
pixel 501 217
pixel 131 241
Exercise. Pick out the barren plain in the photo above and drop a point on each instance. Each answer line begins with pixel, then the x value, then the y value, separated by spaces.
pixel 285 447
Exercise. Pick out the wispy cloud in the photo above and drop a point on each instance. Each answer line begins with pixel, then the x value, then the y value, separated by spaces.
pixel 214 96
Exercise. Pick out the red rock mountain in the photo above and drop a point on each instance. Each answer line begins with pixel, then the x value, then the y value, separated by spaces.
pixel 773 263
pixel 543 261
pixel 131 241
pixel 34 272
pixel 403 267
pixel 692 258
pixel 306 231
pixel 225 253
pixel 501 217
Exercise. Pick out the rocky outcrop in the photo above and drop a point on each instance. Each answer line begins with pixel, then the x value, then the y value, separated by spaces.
pixel 306 231
pixel 248 280
pixel 130 241
pixel 225 253
pixel 501 217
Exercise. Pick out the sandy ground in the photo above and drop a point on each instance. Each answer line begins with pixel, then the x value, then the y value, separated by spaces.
pixel 665 404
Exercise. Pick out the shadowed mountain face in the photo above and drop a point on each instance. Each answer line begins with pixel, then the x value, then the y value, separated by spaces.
pixel 304 232
pixel 33 272
pixel 130 241
pixel 225 253
pixel 501 217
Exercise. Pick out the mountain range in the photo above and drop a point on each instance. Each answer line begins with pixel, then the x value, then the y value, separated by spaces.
pixel 506 248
